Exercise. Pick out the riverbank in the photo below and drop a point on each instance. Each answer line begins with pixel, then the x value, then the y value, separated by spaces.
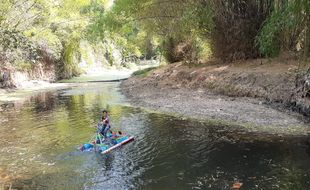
pixel 26 85
pixel 243 93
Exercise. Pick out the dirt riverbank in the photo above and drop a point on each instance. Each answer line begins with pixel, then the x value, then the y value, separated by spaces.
pixel 243 93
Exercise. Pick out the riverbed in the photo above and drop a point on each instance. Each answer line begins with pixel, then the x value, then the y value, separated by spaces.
pixel 39 139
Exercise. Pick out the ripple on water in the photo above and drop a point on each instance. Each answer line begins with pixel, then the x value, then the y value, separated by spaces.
pixel 168 152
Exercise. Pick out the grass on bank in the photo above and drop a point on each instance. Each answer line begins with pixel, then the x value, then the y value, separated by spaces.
pixel 143 72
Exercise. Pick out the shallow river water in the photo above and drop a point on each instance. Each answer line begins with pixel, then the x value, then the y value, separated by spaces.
pixel 39 139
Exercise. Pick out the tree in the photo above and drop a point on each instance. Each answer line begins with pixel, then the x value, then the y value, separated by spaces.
pixel 287 28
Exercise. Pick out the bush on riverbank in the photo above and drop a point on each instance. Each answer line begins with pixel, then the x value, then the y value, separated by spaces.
pixel 38 37
pixel 191 31
pixel 234 29
pixel 143 72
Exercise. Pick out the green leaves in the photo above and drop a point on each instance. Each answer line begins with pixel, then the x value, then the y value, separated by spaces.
pixel 128 20
pixel 268 40
pixel 36 30
pixel 13 41
pixel 284 28
pixel 33 31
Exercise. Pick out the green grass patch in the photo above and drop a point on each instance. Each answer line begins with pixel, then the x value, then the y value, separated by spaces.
pixel 22 65
pixel 143 72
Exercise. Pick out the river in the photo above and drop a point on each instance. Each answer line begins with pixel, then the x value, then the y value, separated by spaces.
pixel 39 140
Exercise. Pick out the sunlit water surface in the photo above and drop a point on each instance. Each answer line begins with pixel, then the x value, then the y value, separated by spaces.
pixel 38 141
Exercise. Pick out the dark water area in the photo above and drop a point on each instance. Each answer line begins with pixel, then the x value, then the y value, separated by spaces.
pixel 39 140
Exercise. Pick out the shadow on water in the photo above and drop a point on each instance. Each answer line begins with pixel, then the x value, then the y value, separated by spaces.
pixel 39 140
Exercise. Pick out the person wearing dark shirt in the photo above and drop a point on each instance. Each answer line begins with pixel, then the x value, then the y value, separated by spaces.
pixel 105 121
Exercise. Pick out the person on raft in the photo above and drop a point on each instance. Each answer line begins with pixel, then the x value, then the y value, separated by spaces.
pixel 105 123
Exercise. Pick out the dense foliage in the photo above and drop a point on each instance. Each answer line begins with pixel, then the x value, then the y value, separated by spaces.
pixel 287 28
pixel 232 29
pixel 35 31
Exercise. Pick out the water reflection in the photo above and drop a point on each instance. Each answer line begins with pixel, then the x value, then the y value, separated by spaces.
pixel 39 137
pixel 308 147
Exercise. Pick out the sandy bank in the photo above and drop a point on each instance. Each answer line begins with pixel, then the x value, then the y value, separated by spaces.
pixel 198 92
